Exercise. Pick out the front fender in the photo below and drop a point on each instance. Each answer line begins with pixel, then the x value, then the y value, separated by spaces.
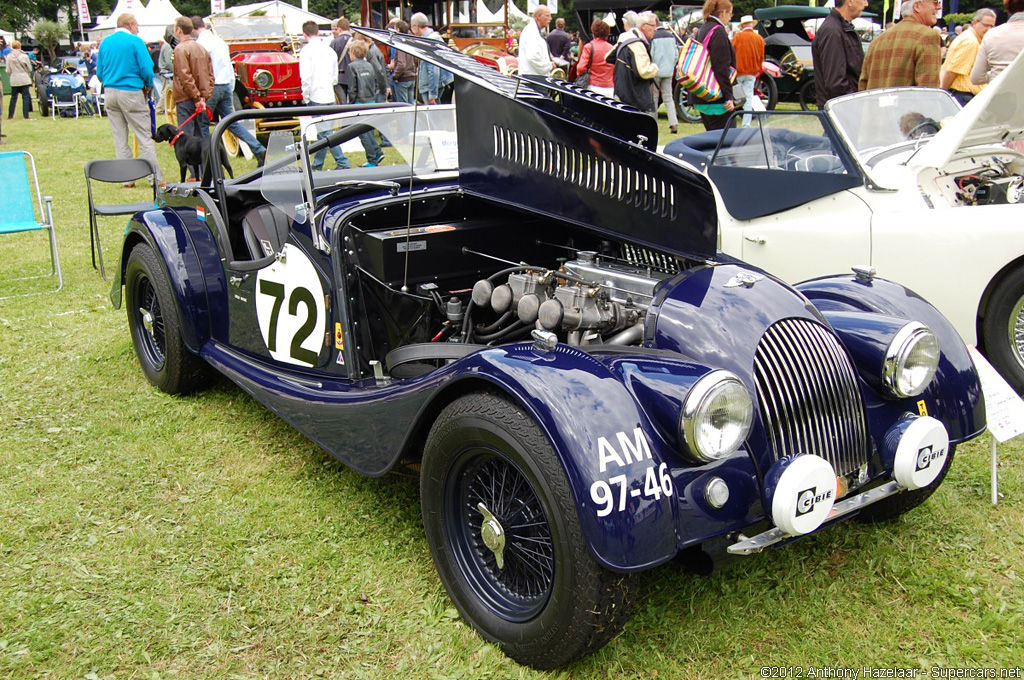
pixel 191 262
pixel 602 436
pixel 954 396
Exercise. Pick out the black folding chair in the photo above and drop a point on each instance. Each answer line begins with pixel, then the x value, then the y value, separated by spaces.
pixel 115 171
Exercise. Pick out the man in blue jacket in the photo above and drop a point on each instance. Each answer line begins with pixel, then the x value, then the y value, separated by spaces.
pixel 433 80
pixel 126 71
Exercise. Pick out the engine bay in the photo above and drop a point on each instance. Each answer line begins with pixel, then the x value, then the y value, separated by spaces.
pixel 495 279
pixel 981 179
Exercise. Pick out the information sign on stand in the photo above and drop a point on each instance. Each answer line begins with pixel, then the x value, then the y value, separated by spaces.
pixel 1004 410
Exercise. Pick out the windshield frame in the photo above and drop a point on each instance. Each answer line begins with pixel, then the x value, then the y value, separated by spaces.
pixel 843 110
pixel 422 154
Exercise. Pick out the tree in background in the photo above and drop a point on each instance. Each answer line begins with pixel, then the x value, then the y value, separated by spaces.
pixel 18 15
pixel 49 34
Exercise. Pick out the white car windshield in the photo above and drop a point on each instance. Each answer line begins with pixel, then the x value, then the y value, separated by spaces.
pixel 877 120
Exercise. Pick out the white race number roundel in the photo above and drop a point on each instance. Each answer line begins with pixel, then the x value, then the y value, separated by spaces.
pixel 290 308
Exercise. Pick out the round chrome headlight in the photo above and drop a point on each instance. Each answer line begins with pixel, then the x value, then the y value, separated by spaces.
pixel 911 360
pixel 716 416
pixel 263 79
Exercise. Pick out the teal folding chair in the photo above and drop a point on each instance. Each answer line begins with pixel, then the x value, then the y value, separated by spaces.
pixel 18 210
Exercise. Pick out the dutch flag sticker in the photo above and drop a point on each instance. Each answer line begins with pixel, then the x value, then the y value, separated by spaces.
pixel 201 213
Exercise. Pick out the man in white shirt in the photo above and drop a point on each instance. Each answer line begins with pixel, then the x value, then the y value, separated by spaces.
pixel 534 58
pixel 318 70
pixel 221 102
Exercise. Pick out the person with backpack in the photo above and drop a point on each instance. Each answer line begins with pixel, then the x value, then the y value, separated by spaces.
pixel 634 70
pixel 665 53
pixel 340 44
pixel 714 34
pixel 593 59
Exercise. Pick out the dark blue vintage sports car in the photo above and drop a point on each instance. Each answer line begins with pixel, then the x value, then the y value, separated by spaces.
pixel 524 303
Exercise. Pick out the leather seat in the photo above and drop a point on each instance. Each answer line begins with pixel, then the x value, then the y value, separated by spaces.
pixel 266 230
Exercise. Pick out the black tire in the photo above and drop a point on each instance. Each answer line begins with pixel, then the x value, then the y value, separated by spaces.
pixel 808 96
pixel 156 329
pixel 1002 329
pixel 687 113
pixel 894 506
pixel 548 606
pixel 769 91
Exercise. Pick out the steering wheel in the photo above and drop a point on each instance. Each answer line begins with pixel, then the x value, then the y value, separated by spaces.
pixel 69 68
pixel 920 128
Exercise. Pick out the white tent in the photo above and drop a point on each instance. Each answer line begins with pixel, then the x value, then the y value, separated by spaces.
pixel 161 13
pixel 109 25
pixel 153 19
pixel 293 16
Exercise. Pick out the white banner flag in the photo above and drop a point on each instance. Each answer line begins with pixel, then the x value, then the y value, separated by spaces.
pixel 216 6
pixel 83 11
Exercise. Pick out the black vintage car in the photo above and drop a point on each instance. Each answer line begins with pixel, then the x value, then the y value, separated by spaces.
pixel 788 45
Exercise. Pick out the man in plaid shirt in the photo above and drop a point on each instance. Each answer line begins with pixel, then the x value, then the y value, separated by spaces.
pixel 907 54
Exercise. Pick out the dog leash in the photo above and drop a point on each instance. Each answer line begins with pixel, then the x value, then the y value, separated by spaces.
pixel 194 114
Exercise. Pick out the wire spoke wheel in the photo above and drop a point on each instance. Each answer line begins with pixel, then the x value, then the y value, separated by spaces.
pixel 151 321
pixel 502 526
pixel 1002 328
pixel 155 326
pixel 521 584
pixel 1015 330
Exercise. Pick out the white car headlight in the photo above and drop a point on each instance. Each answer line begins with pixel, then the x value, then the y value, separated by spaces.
pixel 716 416
pixel 911 360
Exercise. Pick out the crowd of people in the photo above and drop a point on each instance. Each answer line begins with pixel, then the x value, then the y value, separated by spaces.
pixel 912 52
pixel 638 69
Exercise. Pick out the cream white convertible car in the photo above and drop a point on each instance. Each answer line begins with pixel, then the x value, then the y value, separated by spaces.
pixel 903 180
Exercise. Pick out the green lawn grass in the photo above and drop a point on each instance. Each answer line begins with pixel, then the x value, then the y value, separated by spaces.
pixel 146 536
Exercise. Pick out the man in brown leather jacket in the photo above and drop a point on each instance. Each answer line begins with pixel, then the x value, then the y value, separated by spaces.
pixel 193 77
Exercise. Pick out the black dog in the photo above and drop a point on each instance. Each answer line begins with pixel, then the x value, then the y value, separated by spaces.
pixel 192 152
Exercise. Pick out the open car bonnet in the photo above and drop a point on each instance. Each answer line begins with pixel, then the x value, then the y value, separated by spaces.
pixel 996 115
pixel 548 147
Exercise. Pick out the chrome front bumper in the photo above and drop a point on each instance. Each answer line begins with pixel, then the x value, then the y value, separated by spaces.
pixel 755 544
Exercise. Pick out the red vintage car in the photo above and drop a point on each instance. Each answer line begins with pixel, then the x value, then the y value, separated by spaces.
pixel 266 65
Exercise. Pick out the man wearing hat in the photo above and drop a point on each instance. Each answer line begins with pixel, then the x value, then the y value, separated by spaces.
pixel 749 48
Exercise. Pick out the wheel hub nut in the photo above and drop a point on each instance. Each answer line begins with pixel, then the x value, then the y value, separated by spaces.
pixel 493 534
pixel 147 320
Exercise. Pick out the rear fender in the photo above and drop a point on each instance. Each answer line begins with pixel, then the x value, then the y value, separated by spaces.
pixel 191 262
pixel 954 396
pixel 607 445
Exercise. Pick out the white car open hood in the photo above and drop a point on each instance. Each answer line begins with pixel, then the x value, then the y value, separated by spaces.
pixel 996 115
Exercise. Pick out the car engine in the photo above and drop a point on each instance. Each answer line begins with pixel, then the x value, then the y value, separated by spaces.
pixel 995 180
pixel 990 188
pixel 593 299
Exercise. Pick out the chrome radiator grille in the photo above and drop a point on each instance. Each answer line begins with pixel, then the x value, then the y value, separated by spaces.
pixel 808 394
